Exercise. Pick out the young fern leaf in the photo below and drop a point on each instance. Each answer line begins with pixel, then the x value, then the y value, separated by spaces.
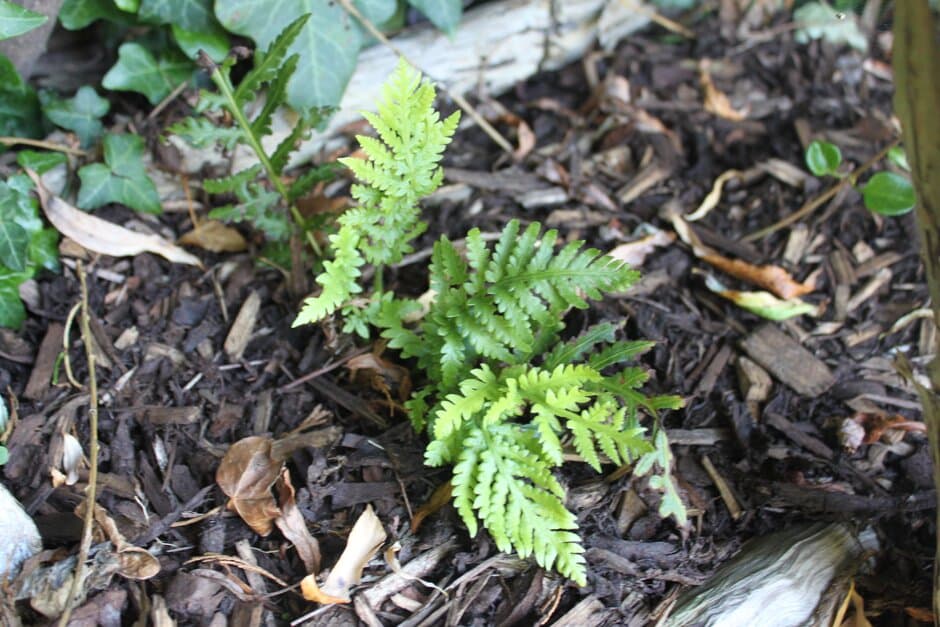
pixel 269 65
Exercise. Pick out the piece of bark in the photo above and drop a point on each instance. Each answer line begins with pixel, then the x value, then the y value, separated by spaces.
pixel 788 361
pixel 754 381
pixel 589 611
pixel 45 362
pixel 158 415
pixel 810 443
pixel 240 333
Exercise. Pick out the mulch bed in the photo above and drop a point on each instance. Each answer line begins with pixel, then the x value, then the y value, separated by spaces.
pixel 621 139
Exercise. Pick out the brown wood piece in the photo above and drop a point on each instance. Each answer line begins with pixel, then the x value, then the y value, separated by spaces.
pixel 240 333
pixel 788 361
pixel 810 443
pixel 49 350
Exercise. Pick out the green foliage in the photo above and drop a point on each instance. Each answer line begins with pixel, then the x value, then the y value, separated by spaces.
pixel 267 210
pixel 40 162
pixel 399 170
pixel 4 419
pixel 819 20
pixel 504 395
pixel 139 70
pixel 122 178
pixel 19 106
pixel 886 193
pixel 82 113
pixel 445 14
pixel 16 20
pixel 25 245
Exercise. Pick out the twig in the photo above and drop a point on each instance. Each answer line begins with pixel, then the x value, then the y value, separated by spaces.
pixel 65 343
pixel 460 100
pixel 90 496
pixel 321 371
pixel 38 143
pixel 166 101
pixel 820 200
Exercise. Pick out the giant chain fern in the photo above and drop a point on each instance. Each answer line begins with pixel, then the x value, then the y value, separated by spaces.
pixel 505 398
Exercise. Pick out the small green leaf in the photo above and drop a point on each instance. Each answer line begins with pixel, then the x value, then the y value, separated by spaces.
pixel 214 41
pixel 77 14
pixel 154 77
pixel 128 6
pixel 14 246
pixel 445 14
pixel 38 161
pixel 4 455
pixel 12 312
pixel 898 157
pixel 762 303
pixel 191 15
pixel 17 203
pixel 819 20
pixel 44 249
pixel 19 106
pixel 889 194
pixel 16 20
pixel 123 180
pixel 823 158
pixel 81 113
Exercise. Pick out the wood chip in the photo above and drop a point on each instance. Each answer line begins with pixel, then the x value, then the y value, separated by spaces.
pixel 158 415
pixel 589 611
pixel 754 381
pixel 723 489
pixel 788 361
pixel 797 435
pixel 240 333
pixel 881 278
pixel 49 350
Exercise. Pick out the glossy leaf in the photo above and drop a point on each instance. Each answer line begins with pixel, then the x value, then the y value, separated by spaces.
pixel 122 178
pixel 154 77
pixel 16 20
pixel 77 14
pixel 214 41
pixel 82 113
pixel 889 194
pixel 14 244
pixel 12 312
pixel 39 161
pixel 823 158
pixel 445 14
pixel 191 15
pixel 19 106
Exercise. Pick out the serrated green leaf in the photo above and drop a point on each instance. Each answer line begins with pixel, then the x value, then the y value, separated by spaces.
pixel 214 41
pixel 445 14
pixel 328 44
pixel 40 161
pixel 14 246
pixel 268 63
pixel 82 113
pixel 823 158
pixel 201 132
pixel 889 194
pixel 77 14
pixel 191 15
pixel 12 312
pixel 154 77
pixel 16 20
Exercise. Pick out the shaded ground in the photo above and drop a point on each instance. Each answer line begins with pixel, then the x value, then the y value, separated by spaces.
pixel 620 140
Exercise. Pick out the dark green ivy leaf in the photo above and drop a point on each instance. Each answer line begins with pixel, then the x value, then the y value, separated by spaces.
pixel 82 113
pixel 122 178
pixel 154 77
pixel 16 20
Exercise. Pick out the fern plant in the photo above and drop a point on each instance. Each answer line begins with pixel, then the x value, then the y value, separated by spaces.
pixel 266 208
pixel 504 397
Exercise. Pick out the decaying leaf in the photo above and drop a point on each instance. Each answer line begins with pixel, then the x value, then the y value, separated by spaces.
pixel 711 200
pixel 246 475
pixel 772 278
pixel 715 100
pixel 384 373
pixel 635 252
pixel 104 237
pixel 764 304
pixel 215 236
pixel 391 558
pixel 134 562
pixel 439 499
pixel 365 540
pixel 72 458
pixel 292 525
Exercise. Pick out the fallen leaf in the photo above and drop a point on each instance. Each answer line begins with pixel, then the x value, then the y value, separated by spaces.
pixel 391 558
pixel 715 100
pixel 772 278
pixel 72 458
pixel 687 235
pixel 365 540
pixel 292 524
pixel 384 372
pixel 104 237
pixel 215 236
pixel 875 425
pixel 312 592
pixel 711 200
pixel 635 252
pixel 764 304
pixel 246 475
pixel 439 499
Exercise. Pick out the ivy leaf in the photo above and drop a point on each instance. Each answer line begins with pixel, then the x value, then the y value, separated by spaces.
pixel 121 179
pixel 328 44
pixel 823 158
pixel 14 244
pixel 12 312
pixel 39 161
pixel 19 107
pixel 214 41
pixel 445 14
pixel 18 205
pixel 44 249
pixel 80 113
pixel 15 20
pixel 191 15
pixel 889 194
pixel 77 14
pixel 128 6
pixel 154 77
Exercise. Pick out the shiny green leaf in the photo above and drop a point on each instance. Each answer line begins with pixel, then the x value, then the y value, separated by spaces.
pixel 445 14
pixel 823 158
pixel 889 194
pixel 82 113
pixel 154 77
pixel 16 20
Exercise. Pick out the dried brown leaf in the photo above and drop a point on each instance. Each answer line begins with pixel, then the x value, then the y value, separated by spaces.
pixel 215 236
pixel 104 237
pixel 772 278
pixel 711 200
pixel 634 253
pixel 715 100
pixel 365 540
pixel 246 475
pixel 439 499
pixel 292 525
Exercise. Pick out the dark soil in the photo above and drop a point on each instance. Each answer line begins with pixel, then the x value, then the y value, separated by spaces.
pixel 781 454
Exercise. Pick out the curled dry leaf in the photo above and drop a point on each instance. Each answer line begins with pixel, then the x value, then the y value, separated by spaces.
pixel 439 499
pixel 133 562
pixel 715 100
pixel 292 525
pixel 391 558
pixel 764 304
pixel 365 540
pixel 246 475
pixel 711 200
pixel 384 373
pixel 772 278
pixel 215 236
pixel 634 253
pixel 73 458
pixel 104 237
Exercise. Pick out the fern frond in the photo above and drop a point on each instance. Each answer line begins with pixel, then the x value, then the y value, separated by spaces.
pixel 232 183
pixel 268 63
pixel 339 279
pixel 575 349
pixel 289 144
pixel 274 97
pixel 202 132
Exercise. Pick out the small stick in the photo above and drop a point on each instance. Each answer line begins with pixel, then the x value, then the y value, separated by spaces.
pixel 460 100
pixel 90 491
pixel 38 143
pixel 820 200
pixel 730 502
pixel 65 344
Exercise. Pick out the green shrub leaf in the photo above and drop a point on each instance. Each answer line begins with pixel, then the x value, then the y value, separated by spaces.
pixel 81 113
pixel 889 194
pixel 445 14
pixel 213 40
pixel 823 158
pixel 19 106
pixel 38 161
pixel 16 20
pixel 77 14
pixel 154 77
pixel 14 245
pixel 191 15
pixel 122 178
pixel 12 312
